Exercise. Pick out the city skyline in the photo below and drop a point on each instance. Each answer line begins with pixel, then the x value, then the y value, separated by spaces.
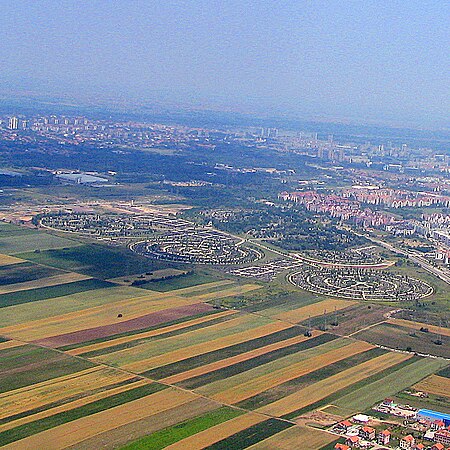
pixel 368 62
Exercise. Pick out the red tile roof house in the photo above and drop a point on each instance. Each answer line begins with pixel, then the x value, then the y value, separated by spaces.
pixel 384 437
pixel 438 446
pixel 407 442
pixel 367 433
pixel 419 447
pixel 438 425
pixel 341 447
pixel 344 425
pixel 353 441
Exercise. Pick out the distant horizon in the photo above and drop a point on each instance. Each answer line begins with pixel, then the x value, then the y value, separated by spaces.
pixel 363 62
pixel 131 105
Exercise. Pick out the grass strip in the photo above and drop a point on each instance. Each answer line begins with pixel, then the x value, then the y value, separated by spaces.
pixel 163 438
pixel 227 352
pixel 28 429
pixel 251 435
pixel 243 366
pixel 291 386
pixel 347 390
pixel 44 293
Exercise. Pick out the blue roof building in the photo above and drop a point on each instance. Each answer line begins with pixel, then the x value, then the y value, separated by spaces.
pixel 428 414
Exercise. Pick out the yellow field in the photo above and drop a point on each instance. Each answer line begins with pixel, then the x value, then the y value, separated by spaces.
pixel 323 388
pixel 123 340
pixel 68 277
pixel 6 260
pixel 10 344
pixel 15 402
pixel 313 310
pixel 150 349
pixel 233 360
pixel 79 430
pixel 218 432
pixel 201 287
pixel 230 292
pixel 435 384
pixel 257 385
pixel 418 325
pixel 101 315
pixel 199 349
pixel 295 437
pixel 73 404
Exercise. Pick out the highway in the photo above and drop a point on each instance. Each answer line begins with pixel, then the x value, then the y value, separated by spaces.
pixel 422 262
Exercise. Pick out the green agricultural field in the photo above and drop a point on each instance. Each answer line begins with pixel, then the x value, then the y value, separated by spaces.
pixel 266 358
pixel 37 426
pixel 251 435
pixel 227 352
pixel 94 260
pixel 364 397
pixel 284 389
pixel 26 271
pixel 329 400
pixel 175 433
pixel 9 229
pixel 50 292
pixel 402 338
pixel 162 346
pixel 181 281
pixel 285 361
pixel 34 241
pixel 27 365
pixel 86 296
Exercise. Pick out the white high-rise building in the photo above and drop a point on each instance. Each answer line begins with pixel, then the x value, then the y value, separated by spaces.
pixel 13 123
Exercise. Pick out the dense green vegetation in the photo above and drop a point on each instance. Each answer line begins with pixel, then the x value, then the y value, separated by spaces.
pixel 175 433
pixel 95 260
pixel 27 365
pixel 251 435
pixel 19 273
pixel 33 295
pixel 37 426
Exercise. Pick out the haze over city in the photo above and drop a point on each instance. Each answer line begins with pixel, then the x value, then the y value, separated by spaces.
pixel 224 225
pixel 357 61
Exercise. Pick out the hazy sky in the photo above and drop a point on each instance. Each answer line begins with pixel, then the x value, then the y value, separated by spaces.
pixel 380 59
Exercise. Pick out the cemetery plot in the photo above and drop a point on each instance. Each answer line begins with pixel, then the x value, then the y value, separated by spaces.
pixel 353 256
pixel 360 284
pixel 113 225
pixel 197 246
pixel 267 271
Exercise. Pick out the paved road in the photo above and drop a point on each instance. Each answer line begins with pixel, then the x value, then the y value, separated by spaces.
pixel 422 262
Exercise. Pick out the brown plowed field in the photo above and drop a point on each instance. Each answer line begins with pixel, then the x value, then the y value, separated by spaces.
pixel 295 437
pixel 418 325
pixel 148 334
pixel 435 385
pixel 138 323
